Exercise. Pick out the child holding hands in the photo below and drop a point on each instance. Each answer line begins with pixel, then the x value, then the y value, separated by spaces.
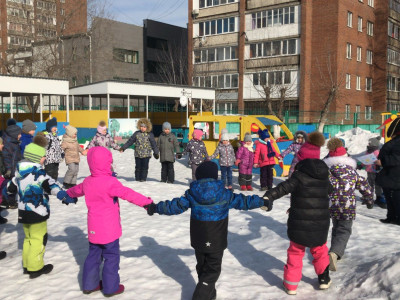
pixel 197 151
pixel 101 191
pixel 245 161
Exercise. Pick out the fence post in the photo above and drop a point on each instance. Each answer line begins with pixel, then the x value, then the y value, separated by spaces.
pixel 355 116
pixel 286 117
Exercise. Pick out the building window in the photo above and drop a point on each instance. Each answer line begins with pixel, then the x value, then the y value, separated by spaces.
pixel 215 54
pixel 274 48
pixel 371 3
pixel 348 81
pixel 347 112
pixel 273 17
pixel 62 12
pixel 210 3
pixel 272 78
pixel 219 26
pixel 226 81
pixel 368 84
pixel 87 79
pixel 359 24
pixel 348 51
pixel 358 110
pixel 393 57
pixel 358 83
pixel 359 51
pixel 349 19
pixel 370 28
pixel 62 1
pixel 391 83
pixel 369 57
pixel 368 113
pixel 127 56
pixel 74 82
pixel 395 5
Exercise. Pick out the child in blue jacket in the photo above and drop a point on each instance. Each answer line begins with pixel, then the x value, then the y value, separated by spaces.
pixel 210 203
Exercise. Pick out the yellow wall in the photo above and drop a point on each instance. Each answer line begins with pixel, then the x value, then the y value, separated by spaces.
pixel 87 118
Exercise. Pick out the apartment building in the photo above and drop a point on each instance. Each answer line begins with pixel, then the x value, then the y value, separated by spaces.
pixel 23 22
pixel 298 53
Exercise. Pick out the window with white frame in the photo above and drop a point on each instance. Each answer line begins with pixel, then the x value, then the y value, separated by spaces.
pixel 274 48
pixel 358 110
pixel 359 52
pixel 349 19
pixel 273 17
pixel 347 112
pixel 210 3
pixel 368 84
pixel 368 113
pixel 371 3
pixel 359 24
pixel 391 83
pixel 215 54
pixel 369 57
pixel 225 81
pixel 348 51
pixel 358 83
pixel 370 28
pixel 218 26
pixel 348 81
pixel 271 78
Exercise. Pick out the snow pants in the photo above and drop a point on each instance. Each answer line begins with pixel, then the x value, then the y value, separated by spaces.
pixel 294 265
pixel 208 270
pixel 194 168
pixel 52 170
pixel 72 173
pixel 91 269
pixel 245 179
pixel 393 205
pixel 141 168
pixel 341 231
pixel 34 245
pixel 167 171
pixel 371 177
pixel 267 176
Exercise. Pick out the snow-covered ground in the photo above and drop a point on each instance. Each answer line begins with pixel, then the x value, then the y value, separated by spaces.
pixel 157 261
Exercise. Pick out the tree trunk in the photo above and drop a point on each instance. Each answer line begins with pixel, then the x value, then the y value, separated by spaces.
pixel 325 110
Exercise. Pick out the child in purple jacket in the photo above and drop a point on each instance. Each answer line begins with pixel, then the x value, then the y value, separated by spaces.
pixel 245 161
pixel 345 180
pixel 300 137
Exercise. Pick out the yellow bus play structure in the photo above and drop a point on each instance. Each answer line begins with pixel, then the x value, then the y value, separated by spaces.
pixel 237 126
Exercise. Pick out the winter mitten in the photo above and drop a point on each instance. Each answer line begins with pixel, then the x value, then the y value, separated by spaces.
pixel 65 198
pixel 151 208
pixel 256 165
pixel 267 204
pixel 62 155
pixel 237 162
pixel 114 174
pixel 179 155
pixel 156 156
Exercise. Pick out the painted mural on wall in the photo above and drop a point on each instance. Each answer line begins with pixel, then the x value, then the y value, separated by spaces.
pixel 122 129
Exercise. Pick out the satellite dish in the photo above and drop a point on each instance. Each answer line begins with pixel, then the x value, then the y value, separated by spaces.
pixel 183 100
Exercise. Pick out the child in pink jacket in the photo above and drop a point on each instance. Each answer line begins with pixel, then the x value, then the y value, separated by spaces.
pixel 264 158
pixel 101 191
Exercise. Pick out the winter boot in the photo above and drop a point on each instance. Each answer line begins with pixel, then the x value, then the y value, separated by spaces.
pixel 324 279
pixel 264 188
pixel 289 292
pixel 333 261
pixel 119 291
pixel 3 254
pixel 214 295
pixel 45 270
pixel 98 288
pixel 249 188
pixel 243 188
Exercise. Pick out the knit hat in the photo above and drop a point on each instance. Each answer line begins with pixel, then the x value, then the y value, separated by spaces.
pixel 207 169
pixel 374 142
pixel 70 130
pixel 166 125
pixel 13 131
pixel 394 128
pixel 224 130
pixel 36 150
pixel 312 148
pixel 11 121
pixel 102 126
pixel 197 134
pixel 335 147
pixel 247 137
pixel 263 134
pixel 28 125
pixel 50 124
pixel 225 137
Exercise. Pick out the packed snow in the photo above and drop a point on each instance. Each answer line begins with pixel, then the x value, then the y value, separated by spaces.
pixel 157 261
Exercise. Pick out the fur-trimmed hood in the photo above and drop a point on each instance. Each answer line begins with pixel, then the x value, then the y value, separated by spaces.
pixel 303 133
pixel 149 126
pixel 340 160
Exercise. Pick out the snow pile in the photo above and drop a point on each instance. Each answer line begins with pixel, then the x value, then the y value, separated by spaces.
pixel 356 139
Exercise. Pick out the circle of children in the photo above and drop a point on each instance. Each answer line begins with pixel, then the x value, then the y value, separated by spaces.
pixel 321 190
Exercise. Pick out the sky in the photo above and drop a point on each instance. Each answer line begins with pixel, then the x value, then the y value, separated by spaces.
pixel 135 11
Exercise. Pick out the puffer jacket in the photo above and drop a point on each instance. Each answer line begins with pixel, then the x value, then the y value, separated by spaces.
pixel 99 189
pixel 226 155
pixel 166 144
pixel 197 151
pixel 103 140
pixel 11 152
pixel 261 154
pixel 345 181
pixel 71 148
pixel 25 140
pixel 389 155
pixel 54 152
pixel 246 158
pixel 144 144
pixel 309 218
pixel 210 203
pixel 293 148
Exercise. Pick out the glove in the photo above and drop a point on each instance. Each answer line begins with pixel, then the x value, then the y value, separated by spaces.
pixel 151 208
pixel 272 154
pixel 65 198
pixel 8 174
pixel 267 204
pixel 156 156
pixel 121 150
pixel 114 174
pixel 62 155
pixel 237 162
pixel 256 165
pixel 179 155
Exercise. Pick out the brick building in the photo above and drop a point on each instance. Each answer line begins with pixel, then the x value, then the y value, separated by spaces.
pixel 297 52
pixel 23 22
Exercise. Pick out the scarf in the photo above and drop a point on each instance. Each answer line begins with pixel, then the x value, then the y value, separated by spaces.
pixel 249 147
pixel 271 152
